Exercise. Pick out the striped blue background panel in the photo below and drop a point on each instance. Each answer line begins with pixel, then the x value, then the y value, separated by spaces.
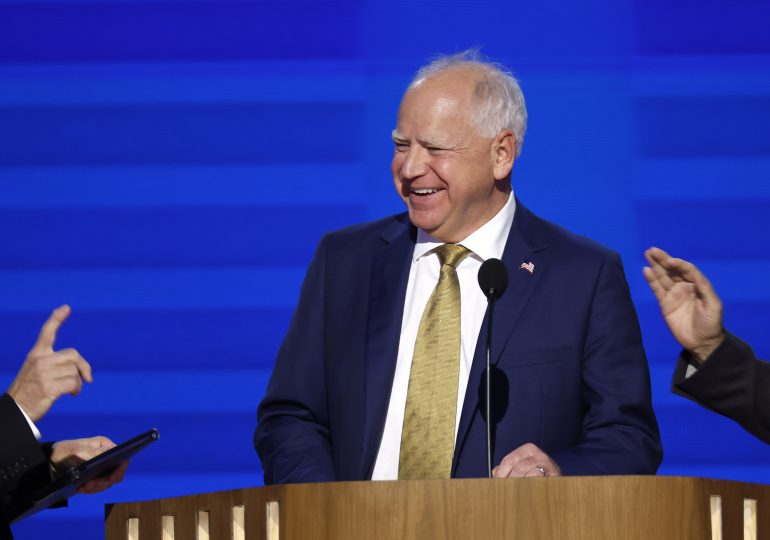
pixel 160 339
pixel 680 224
pixel 711 126
pixel 168 166
pixel 713 27
pixel 547 32
pixel 180 134
pixel 208 236
pixel 158 31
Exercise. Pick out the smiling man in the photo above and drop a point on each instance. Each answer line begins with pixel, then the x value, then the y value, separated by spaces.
pixel 380 374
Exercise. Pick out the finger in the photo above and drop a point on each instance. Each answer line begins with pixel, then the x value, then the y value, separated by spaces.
pixel 84 368
pixel 47 336
pixel 55 382
pixel 705 290
pixel 100 484
pixel 650 255
pixel 679 269
pixel 527 450
pixel 94 486
pixel 86 452
pixel 654 283
pixel 525 467
pixel 71 385
pixel 511 462
pixel 535 472
pixel 654 255
pixel 665 274
pixel 666 267
pixel 118 474
pixel 102 442
pixel 61 379
pixel 92 447
pixel 503 470
pixel 70 358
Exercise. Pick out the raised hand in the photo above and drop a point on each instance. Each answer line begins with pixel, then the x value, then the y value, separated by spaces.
pixel 46 374
pixel 690 307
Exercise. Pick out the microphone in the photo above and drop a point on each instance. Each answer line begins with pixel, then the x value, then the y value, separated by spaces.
pixel 493 280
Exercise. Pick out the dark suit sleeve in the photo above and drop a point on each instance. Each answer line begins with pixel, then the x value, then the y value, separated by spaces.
pixel 24 466
pixel 619 432
pixel 732 382
pixel 292 435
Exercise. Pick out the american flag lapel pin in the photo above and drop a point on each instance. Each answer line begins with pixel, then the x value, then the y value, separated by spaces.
pixel 528 266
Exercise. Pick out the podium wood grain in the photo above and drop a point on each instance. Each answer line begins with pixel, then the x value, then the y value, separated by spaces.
pixel 581 508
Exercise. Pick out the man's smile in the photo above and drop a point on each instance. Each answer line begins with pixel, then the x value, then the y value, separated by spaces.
pixel 424 191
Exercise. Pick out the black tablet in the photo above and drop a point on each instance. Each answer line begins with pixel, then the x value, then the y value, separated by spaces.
pixel 66 484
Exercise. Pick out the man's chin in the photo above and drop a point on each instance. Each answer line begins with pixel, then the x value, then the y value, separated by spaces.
pixel 427 221
pixel 435 228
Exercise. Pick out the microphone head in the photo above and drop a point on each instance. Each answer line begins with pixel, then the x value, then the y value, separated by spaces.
pixel 493 278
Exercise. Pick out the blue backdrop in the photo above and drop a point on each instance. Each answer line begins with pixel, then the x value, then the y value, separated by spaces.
pixel 157 158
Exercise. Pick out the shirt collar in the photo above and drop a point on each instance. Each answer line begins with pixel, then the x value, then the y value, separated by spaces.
pixel 486 242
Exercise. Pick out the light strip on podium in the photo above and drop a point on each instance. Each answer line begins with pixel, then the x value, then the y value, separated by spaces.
pixel 167 527
pixel 203 525
pixel 716 517
pixel 132 528
pixel 272 531
pixel 749 519
pixel 239 523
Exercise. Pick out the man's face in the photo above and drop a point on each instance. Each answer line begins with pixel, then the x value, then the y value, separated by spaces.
pixel 442 169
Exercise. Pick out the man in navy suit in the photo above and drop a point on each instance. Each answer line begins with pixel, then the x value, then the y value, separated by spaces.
pixel 571 393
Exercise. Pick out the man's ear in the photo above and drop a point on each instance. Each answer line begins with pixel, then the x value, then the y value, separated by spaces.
pixel 503 154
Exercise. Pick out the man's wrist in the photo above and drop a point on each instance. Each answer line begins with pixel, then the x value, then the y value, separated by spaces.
pixel 701 354
pixel 32 425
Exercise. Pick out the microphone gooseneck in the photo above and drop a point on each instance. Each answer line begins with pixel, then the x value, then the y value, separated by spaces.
pixel 493 280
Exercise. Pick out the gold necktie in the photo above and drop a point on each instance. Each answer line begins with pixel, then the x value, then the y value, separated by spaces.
pixel 428 434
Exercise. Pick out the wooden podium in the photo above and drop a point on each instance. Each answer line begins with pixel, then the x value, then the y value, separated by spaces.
pixel 590 508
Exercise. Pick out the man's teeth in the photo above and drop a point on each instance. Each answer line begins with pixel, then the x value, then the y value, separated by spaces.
pixel 424 191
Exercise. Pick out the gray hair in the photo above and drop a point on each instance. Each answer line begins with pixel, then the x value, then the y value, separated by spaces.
pixel 498 99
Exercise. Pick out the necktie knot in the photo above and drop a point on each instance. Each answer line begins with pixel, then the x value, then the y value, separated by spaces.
pixel 451 254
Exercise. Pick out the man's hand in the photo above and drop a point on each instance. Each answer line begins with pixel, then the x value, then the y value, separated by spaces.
pixel 526 460
pixel 69 454
pixel 691 308
pixel 46 374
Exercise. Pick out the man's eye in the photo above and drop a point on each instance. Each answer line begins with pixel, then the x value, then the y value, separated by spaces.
pixel 434 150
pixel 402 147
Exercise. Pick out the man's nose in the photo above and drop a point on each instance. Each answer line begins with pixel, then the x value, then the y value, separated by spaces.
pixel 415 162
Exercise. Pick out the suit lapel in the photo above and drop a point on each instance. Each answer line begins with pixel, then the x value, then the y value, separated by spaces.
pixel 389 278
pixel 519 257
pixel 521 247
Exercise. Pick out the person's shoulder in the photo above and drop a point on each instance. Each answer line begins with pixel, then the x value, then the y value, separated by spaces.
pixel 562 243
pixel 361 234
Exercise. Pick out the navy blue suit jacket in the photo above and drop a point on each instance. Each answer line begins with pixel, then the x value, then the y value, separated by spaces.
pixel 573 377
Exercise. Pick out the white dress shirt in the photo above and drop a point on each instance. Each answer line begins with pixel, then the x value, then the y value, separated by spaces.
pixel 32 425
pixel 487 242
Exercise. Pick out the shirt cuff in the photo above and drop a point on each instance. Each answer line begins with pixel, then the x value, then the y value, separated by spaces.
pixel 691 370
pixel 32 425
